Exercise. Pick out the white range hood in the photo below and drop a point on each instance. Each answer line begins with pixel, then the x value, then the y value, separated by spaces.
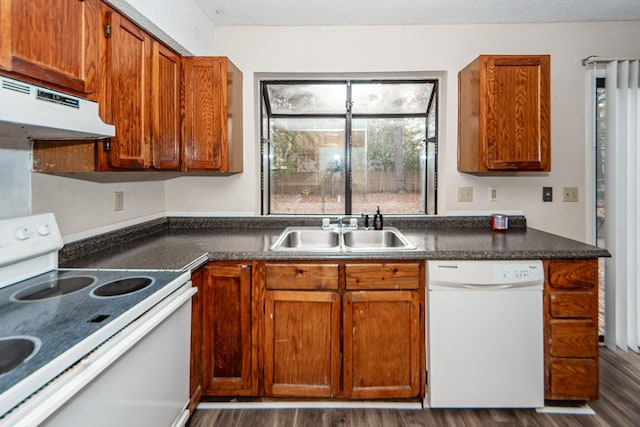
pixel 33 112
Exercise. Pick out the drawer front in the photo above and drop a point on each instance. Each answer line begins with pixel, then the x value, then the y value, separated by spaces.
pixel 302 276
pixel 383 276
pixel 573 338
pixel 573 304
pixel 573 379
pixel 570 274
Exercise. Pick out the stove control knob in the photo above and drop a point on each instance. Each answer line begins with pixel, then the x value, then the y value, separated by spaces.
pixel 22 233
pixel 44 230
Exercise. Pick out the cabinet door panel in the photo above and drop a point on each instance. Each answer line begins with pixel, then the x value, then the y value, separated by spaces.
pixel 302 343
pixel 165 99
pixel 573 338
pixel 572 304
pixel 575 379
pixel 383 276
pixel 51 40
pixel 381 344
pixel 517 113
pixel 227 346
pixel 128 84
pixel 195 378
pixel 204 117
pixel 302 276
pixel 573 274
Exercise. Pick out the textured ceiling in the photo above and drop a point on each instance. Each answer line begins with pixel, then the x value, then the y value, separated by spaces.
pixel 414 12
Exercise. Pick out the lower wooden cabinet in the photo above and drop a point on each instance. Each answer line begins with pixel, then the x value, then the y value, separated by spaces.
pixel 355 330
pixel 229 362
pixel 571 329
pixel 195 378
pixel 302 344
pixel 382 345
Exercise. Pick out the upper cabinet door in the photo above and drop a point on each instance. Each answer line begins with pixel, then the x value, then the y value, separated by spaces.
pixel 504 114
pixel 128 81
pixel 50 41
pixel 212 118
pixel 165 101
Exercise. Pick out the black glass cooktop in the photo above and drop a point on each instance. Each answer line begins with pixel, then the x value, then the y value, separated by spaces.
pixel 54 318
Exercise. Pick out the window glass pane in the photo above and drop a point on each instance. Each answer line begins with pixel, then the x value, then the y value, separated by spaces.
pixel 388 165
pixel 307 166
pixel 390 98
pixel 307 98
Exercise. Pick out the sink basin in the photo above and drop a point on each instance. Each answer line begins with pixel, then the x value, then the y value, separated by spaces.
pixel 314 239
pixel 389 239
pixel 308 239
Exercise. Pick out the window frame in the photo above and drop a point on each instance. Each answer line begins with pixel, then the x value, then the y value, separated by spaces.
pixel 265 122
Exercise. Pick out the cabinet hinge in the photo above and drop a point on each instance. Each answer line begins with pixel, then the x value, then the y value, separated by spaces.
pixel 107 145
pixel 107 31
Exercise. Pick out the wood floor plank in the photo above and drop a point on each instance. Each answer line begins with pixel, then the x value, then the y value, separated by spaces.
pixel 618 406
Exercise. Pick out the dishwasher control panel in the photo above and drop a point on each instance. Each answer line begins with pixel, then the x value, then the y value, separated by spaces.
pixel 514 273
pixel 485 273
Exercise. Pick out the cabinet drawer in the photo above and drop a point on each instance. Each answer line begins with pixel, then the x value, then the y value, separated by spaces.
pixel 582 274
pixel 574 379
pixel 302 276
pixel 573 304
pixel 383 276
pixel 573 338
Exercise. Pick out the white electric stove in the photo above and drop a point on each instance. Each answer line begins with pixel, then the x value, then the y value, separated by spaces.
pixel 81 347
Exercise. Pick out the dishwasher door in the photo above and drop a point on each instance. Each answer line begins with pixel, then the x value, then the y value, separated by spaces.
pixel 485 334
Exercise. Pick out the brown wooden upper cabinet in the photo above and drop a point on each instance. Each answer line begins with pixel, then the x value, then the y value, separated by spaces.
pixel 139 92
pixel 140 95
pixel 504 114
pixel 50 42
pixel 212 115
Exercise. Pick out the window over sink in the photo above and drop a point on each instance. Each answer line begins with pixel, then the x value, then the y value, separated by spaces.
pixel 343 147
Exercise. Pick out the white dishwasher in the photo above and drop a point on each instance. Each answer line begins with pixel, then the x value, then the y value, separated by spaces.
pixel 485 334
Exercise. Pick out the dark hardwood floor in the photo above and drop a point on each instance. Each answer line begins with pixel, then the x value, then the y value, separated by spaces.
pixel 619 406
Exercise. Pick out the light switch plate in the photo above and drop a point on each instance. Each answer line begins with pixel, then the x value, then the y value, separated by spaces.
pixel 118 201
pixel 547 194
pixel 494 194
pixel 465 194
pixel 570 194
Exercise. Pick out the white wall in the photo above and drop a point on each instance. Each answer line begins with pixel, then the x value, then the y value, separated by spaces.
pixel 15 179
pixel 427 48
pixel 84 208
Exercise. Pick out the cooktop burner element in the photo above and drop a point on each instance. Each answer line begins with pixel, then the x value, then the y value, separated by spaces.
pixel 14 351
pixel 122 287
pixel 55 288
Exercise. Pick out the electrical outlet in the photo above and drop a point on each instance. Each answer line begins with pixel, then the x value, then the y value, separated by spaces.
pixel 118 204
pixel 547 194
pixel 570 194
pixel 465 194
pixel 494 194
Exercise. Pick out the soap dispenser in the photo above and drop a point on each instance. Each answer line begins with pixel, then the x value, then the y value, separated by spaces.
pixel 377 220
pixel 366 221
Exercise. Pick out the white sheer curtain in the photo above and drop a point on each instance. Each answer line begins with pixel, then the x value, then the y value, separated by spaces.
pixel 622 181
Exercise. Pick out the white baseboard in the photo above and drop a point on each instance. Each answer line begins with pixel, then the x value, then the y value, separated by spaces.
pixel 570 410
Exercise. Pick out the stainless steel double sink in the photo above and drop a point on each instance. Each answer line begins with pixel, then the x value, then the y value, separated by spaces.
pixel 315 239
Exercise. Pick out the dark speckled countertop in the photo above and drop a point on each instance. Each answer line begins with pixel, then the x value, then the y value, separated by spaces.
pixel 187 243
